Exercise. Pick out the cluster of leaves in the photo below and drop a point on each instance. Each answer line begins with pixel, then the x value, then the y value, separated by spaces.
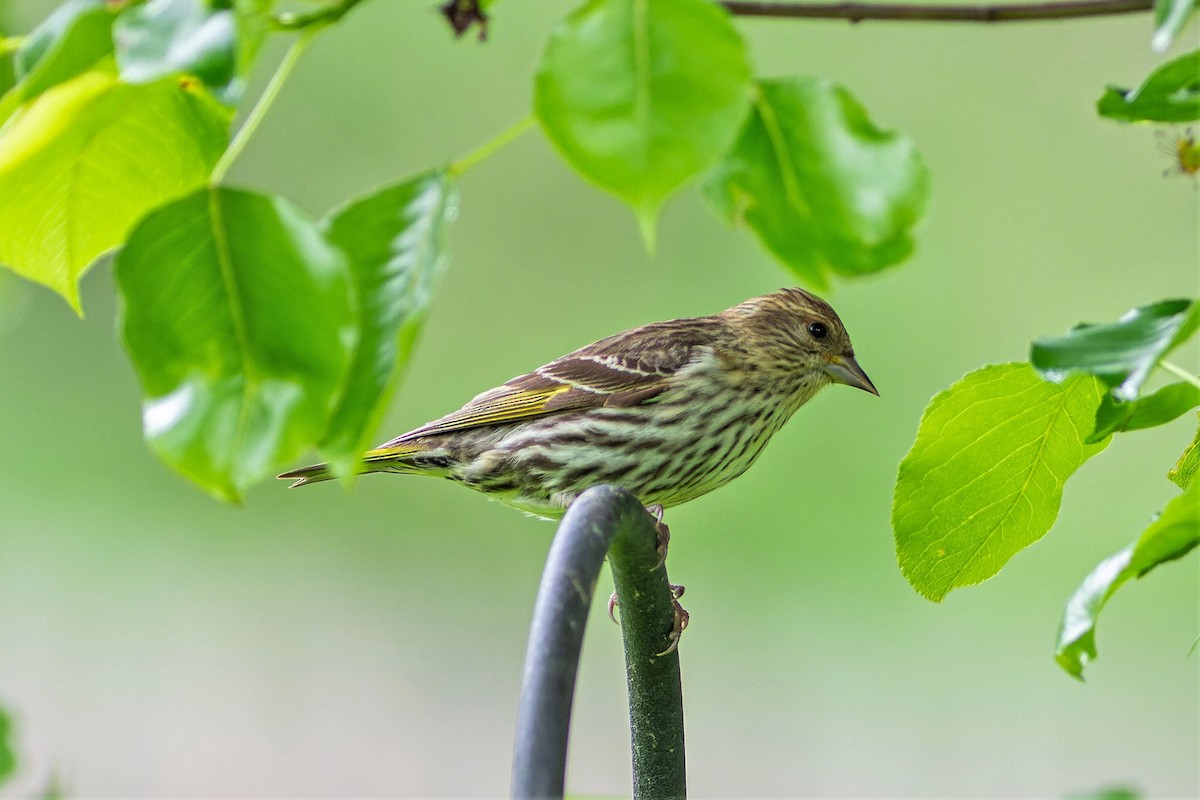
pixel 642 98
pixel 258 333
pixel 985 477
pixel 1170 94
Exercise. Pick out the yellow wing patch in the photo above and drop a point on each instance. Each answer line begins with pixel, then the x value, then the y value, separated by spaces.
pixel 395 451
pixel 509 406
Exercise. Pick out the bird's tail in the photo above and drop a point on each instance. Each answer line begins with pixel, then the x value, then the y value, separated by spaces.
pixel 408 458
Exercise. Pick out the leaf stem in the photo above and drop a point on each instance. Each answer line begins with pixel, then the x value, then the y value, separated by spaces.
pixel 1011 12
pixel 255 117
pixel 484 150
pixel 1180 372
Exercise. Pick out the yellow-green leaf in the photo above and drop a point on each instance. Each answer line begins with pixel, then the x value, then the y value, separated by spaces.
pixel 1184 472
pixel 984 478
pixel 85 160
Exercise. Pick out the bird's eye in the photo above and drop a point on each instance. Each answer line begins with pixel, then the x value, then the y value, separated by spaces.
pixel 817 330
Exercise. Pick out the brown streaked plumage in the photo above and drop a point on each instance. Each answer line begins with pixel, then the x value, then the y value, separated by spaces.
pixel 670 410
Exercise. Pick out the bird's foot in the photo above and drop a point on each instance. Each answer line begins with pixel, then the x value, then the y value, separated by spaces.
pixel 678 625
pixel 681 616
pixel 681 619
pixel 661 531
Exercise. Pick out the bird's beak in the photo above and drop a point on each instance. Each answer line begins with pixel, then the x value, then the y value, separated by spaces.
pixel 844 369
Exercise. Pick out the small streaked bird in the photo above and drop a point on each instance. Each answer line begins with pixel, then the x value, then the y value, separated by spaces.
pixel 670 410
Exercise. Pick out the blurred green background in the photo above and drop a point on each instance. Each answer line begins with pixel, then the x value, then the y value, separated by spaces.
pixel 319 643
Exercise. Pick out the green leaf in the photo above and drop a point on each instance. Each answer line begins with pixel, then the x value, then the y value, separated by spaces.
pixel 1185 470
pixel 238 317
pixel 984 478
pixel 168 37
pixel 821 186
pixel 1170 94
pixel 8 75
pixel 395 243
pixel 1171 536
pixel 1121 354
pixel 640 96
pixel 86 159
pixel 68 43
pixel 8 759
pixel 1168 403
pixel 1169 18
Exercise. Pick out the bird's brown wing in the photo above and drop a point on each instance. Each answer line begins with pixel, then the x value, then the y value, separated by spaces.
pixel 623 370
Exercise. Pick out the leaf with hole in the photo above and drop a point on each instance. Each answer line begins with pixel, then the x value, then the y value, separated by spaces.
pixel 1171 536
pixel 640 97
pixel 239 319
pixel 1122 353
pixel 1170 94
pixel 821 186
pixel 394 240
pixel 87 159
pixel 984 478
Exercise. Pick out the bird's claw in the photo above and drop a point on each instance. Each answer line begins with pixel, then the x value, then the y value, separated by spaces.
pixel 661 531
pixel 678 625
pixel 681 619
pixel 680 615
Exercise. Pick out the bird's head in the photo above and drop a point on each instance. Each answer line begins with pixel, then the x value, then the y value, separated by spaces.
pixel 792 333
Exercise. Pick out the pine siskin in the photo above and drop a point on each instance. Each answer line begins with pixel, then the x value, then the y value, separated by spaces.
pixel 670 410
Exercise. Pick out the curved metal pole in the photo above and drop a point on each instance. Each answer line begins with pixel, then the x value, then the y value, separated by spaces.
pixel 603 520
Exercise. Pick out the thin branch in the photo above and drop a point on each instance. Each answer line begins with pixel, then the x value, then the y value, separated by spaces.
pixel 1010 12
